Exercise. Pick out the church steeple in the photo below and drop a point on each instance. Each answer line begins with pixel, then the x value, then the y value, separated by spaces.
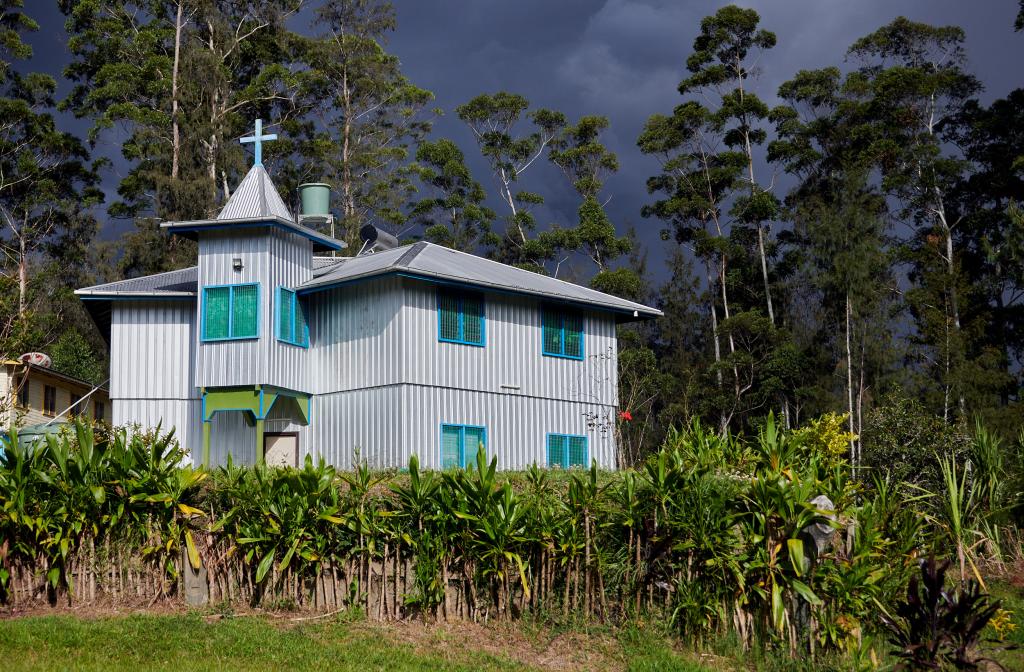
pixel 256 198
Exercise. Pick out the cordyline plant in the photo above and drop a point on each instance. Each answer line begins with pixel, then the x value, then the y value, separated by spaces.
pixel 938 628
pixel 711 535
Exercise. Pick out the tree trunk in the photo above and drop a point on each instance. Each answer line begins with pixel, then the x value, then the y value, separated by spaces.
pixel 175 139
pixel 849 384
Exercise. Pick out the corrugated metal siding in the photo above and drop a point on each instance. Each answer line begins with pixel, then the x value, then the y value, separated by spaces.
pixel 151 353
pixel 290 263
pixel 272 258
pixel 234 362
pixel 512 361
pixel 231 435
pixel 364 422
pixel 180 414
pixel 355 341
pixel 384 426
pixel 517 427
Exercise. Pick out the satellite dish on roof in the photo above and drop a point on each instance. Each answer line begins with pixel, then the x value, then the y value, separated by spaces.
pixel 36 359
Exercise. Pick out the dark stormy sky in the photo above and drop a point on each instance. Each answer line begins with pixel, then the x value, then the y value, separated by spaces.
pixel 618 58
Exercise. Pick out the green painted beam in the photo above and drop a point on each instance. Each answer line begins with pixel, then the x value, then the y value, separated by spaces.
pixel 232 399
pixel 254 402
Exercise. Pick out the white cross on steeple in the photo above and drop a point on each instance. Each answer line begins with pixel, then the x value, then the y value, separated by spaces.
pixel 257 140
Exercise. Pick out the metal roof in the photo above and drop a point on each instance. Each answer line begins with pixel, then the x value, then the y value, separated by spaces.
pixel 433 262
pixel 255 197
pixel 172 283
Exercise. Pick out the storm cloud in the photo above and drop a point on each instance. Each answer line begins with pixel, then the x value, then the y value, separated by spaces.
pixel 623 59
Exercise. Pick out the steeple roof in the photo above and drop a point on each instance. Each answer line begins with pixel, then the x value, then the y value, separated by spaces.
pixel 255 198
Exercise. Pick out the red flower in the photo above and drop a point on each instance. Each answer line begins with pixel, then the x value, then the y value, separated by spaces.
pixel 625 415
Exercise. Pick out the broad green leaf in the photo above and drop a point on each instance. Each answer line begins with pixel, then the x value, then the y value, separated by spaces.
pixel 193 552
pixel 805 592
pixel 778 611
pixel 264 566
pixel 796 555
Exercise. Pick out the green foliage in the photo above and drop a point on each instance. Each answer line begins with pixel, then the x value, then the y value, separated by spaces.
pixel 74 356
pixel 496 121
pixel 936 628
pixel 903 442
pixel 455 215
pixel 714 534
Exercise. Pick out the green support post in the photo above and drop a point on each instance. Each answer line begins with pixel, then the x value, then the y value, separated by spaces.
pixel 206 443
pixel 259 441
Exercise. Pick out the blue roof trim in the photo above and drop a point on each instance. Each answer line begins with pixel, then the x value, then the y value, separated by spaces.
pixel 324 241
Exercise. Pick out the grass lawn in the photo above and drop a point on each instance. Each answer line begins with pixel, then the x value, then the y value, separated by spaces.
pixel 196 642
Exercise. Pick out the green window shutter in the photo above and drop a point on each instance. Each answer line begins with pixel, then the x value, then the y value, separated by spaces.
pixel 244 311
pixel 451 446
pixel 556 450
pixel 216 312
pixel 301 326
pixel 474 440
pixel 473 318
pixel 551 325
pixel 573 343
pixel 448 316
pixel 577 451
pixel 285 314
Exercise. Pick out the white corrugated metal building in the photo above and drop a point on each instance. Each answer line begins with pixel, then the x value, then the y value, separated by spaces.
pixel 265 350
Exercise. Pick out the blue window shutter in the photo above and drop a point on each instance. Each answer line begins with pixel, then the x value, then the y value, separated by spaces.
pixel 556 450
pixel 473 319
pixel 577 451
pixel 448 316
pixel 474 440
pixel 216 312
pixel 285 314
pixel 451 446
pixel 551 326
pixel 573 335
pixel 244 311
pixel 301 326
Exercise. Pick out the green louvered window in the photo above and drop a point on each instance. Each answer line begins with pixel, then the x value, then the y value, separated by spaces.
pixel 566 450
pixel 291 319
pixel 459 445
pixel 460 317
pixel 231 312
pixel 561 333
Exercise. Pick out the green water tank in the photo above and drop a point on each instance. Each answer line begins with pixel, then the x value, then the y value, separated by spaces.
pixel 315 198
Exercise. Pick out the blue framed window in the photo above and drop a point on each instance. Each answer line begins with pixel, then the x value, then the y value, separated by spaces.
pixel 460 317
pixel 561 333
pixel 459 444
pixel 231 312
pixel 292 327
pixel 567 450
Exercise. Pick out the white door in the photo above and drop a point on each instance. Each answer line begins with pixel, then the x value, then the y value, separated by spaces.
pixel 281 450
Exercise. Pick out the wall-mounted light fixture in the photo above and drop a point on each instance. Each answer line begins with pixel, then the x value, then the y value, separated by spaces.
pixel 236 263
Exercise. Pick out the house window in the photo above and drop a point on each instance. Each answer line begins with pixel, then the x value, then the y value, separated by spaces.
pixel 460 317
pixel 566 450
pixel 99 411
pixel 291 319
pixel 49 400
pixel 23 393
pixel 561 333
pixel 73 407
pixel 231 312
pixel 459 445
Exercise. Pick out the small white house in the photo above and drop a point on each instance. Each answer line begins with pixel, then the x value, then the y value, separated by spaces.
pixel 267 351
